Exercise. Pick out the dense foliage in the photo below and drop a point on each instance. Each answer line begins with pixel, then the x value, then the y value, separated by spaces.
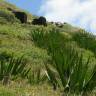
pixel 68 68
pixel 55 58
pixel 10 66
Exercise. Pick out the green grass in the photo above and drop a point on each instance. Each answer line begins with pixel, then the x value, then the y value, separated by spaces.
pixel 19 89
pixel 16 38
pixel 69 68
pixel 85 40
pixel 41 46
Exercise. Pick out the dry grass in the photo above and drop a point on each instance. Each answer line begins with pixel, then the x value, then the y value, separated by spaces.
pixel 23 89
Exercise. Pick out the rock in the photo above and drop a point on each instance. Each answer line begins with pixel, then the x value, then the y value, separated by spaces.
pixel 22 16
pixel 40 21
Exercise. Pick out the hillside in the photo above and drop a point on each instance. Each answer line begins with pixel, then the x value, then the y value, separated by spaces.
pixel 42 47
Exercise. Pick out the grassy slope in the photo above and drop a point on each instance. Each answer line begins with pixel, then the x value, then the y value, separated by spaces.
pixel 15 38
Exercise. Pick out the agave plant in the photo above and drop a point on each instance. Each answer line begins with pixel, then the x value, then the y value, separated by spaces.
pixel 12 67
pixel 72 73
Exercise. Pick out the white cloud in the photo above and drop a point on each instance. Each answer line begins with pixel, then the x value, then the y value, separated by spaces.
pixel 78 12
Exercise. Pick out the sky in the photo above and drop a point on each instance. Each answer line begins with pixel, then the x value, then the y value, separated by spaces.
pixel 81 13
pixel 32 6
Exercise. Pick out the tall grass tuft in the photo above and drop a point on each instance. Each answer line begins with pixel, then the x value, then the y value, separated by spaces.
pixel 12 67
pixel 36 77
pixel 85 40
pixel 72 73
pixel 46 39
pixel 68 69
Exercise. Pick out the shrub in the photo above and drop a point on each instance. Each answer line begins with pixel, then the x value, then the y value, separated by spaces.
pixel 12 67
pixel 71 72
pixel 45 39
pixel 8 16
pixel 3 20
pixel 85 40
pixel 5 56
pixel 68 69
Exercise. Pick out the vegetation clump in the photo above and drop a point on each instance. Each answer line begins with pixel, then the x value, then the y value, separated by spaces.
pixel 11 67
pixel 47 61
pixel 68 68
pixel 8 16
